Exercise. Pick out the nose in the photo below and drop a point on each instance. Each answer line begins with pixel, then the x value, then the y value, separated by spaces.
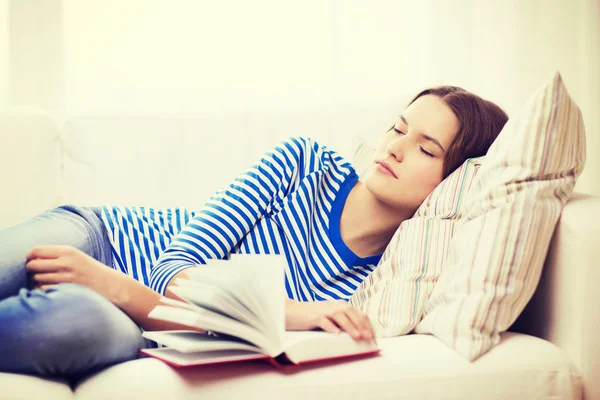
pixel 395 148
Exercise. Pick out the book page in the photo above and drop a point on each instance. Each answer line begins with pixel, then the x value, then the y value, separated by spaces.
pixel 242 297
pixel 191 341
pixel 231 281
pixel 304 346
pixel 213 299
pixel 178 359
pixel 256 281
pixel 208 320
pixel 293 337
pixel 269 281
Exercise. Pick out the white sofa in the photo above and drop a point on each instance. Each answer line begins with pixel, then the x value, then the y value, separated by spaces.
pixel 165 160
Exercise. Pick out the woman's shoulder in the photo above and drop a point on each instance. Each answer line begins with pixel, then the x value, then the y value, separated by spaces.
pixel 310 156
pixel 302 145
pixel 298 144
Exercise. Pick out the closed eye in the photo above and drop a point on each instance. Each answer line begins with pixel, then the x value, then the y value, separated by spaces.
pixel 428 154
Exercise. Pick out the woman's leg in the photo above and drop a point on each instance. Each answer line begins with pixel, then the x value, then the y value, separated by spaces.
pixel 79 227
pixel 68 329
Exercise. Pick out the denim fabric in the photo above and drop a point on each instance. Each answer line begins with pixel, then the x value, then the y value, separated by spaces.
pixel 67 330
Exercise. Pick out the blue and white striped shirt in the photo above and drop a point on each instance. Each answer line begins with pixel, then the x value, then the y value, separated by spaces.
pixel 288 203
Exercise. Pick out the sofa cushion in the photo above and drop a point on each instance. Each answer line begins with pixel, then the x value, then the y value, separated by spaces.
pixel 25 387
pixel 564 308
pixel 168 160
pixel 151 160
pixel 30 164
pixel 411 367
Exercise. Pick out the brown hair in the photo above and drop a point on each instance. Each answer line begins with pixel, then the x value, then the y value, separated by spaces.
pixel 480 121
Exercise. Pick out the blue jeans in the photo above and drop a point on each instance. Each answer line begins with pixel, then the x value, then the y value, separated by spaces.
pixel 67 330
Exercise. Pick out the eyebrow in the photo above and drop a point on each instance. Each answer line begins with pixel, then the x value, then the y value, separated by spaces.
pixel 425 136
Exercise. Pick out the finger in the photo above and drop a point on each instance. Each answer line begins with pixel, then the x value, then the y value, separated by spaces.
pixel 51 278
pixel 44 287
pixel 342 320
pixel 42 265
pixel 327 325
pixel 362 322
pixel 47 252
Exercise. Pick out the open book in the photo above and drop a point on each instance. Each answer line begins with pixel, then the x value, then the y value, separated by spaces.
pixel 241 302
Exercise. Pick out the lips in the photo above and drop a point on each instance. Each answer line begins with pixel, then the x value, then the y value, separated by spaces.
pixel 386 166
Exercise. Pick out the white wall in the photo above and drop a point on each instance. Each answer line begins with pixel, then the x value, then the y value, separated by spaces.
pixel 4 54
pixel 505 50
pixel 190 56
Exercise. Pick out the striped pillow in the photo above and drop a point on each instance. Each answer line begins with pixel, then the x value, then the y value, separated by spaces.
pixel 496 256
pixel 394 294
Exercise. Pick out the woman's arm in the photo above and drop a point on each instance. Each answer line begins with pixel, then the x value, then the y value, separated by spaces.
pixel 50 265
pixel 232 212
pixel 137 300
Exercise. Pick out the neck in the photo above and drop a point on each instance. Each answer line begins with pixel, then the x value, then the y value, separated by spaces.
pixel 367 224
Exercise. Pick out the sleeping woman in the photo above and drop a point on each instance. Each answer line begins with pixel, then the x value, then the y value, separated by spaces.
pixel 77 283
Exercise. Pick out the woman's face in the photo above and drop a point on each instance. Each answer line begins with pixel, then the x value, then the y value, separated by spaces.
pixel 414 151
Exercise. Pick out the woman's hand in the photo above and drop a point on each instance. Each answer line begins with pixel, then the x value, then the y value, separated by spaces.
pixel 50 265
pixel 331 316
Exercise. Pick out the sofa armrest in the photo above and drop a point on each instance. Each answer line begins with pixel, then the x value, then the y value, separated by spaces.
pixel 30 164
pixel 565 308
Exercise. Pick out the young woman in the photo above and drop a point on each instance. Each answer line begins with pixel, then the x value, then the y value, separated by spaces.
pixel 63 312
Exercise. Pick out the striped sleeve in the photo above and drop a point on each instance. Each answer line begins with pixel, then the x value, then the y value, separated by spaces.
pixel 232 212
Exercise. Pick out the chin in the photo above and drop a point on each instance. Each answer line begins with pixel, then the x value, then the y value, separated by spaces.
pixel 395 196
pixel 383 193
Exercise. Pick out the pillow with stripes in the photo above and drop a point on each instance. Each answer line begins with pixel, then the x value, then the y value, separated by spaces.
pixel 496 256
pixel 394 294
